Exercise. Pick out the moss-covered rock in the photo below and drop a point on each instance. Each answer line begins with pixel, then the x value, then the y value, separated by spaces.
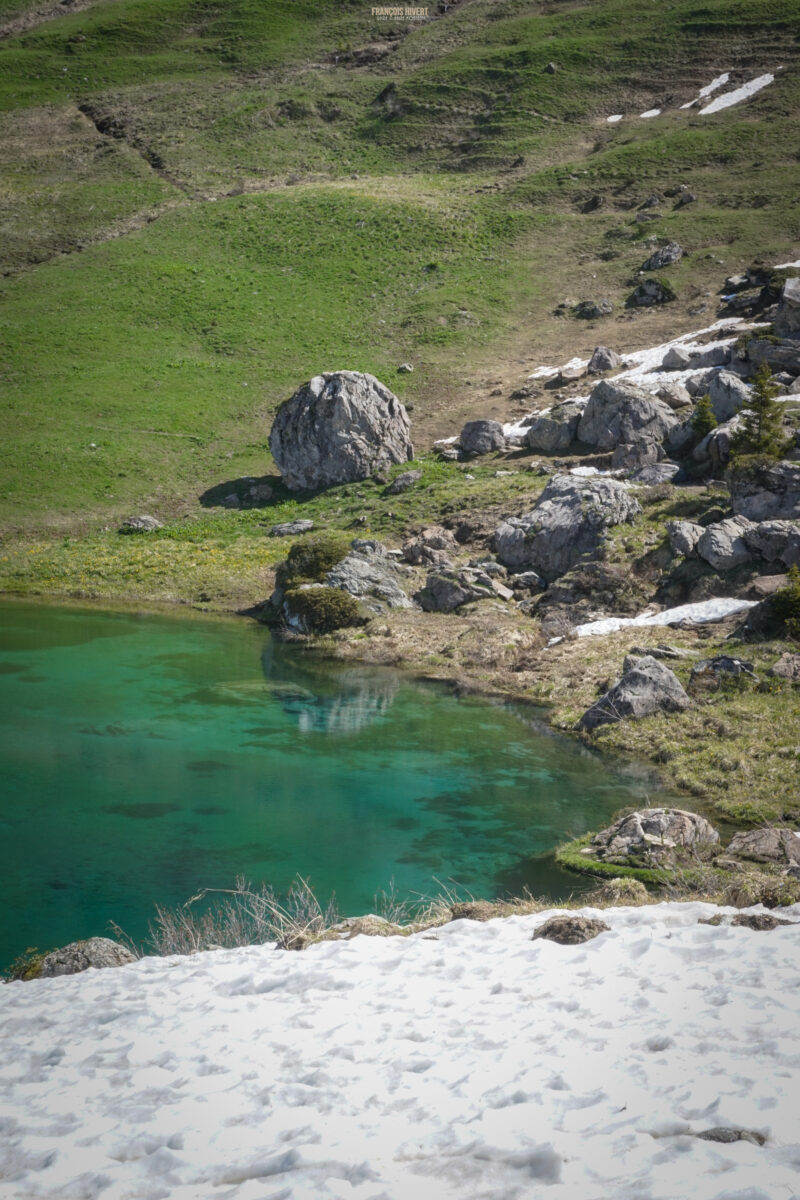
pixel 308 561
pixel 318 609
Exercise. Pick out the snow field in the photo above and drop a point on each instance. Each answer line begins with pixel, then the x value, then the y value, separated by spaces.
pixel 465 1063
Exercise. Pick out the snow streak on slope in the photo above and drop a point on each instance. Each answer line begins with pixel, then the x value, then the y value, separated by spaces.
pixel 743 93
pixel 467 1063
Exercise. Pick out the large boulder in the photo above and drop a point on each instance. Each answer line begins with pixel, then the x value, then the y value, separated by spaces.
pixel 723 544
pixel 651 836
pixel 95 952
pixel 650 292
pixel 632 456
pixel 728 393
pixel 482 437
pixel 646 687
pixel 675 395
pixel 773 492
pixel 447 590
pixel 620 412
pixel 567 524
pixel 787 318
pixel 769 845
pixel 779 356
pixel 775 541
pixel 715 447
pixel 553 432
pixel 665 256
pixel 603 359
pixel 430 548
pixel 368 574
pixel 683 537
pixel 338 428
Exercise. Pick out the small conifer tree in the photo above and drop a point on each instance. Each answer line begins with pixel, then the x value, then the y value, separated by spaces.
pixel 703 419
pixel 760 436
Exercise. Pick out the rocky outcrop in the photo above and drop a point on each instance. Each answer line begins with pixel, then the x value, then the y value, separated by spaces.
pixel 771 492
pixel 787 318
pixel 603 359
pixel 728 394
pixel 675 395
pixel 591 310
pixel 655 473
pixel 770 845
pixel 665 256
pixel 447 590
pixel 650 292
pixel 567 524
pixel 482 437
pixel 370 576
pixel 775 541
pixel 554 432
pixel 570 930
pixel 652 836
pixel 646 687
pixel 97 952
pixel 632 456
pixel 291 528
pixel 338 428
pixel 403 482
pixel 621 412
pixel 723 544
pixel 715 447
pixel 431 548
pixel 683 537
pixel 780 356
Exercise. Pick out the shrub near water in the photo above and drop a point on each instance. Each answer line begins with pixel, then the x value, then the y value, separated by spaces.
pixel 323 609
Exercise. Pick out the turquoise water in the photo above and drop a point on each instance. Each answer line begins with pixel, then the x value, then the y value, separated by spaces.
pixel 144 757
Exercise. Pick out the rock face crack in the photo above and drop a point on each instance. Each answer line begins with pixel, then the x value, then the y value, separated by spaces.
pixel 108 125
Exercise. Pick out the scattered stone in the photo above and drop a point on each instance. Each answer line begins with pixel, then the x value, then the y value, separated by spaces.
pixel 722 664
pixel 568 523
pixel 728 393
pixel 259 493
pixel 723 545
pixel 662 650
pixel 675 395
pixel 603 359
pixel 736 283
pixel 652 835
pixel 760 922
pixel 773 492
pixel 656 473
pixel 527 581
pixel 568 375
pixel 592 310
pixel 97 952
pixel 725 1134
pixel 769 845
pixel 431 548
pixel 291 528
pixel 686 197
pixel 405 369
pixel 665 256
pixel 683 537
pixel 570 930
pixel 338 428
pixel 622 412
pixel 482 437
pixel 646 687
pixel 652 201
pixel 401 483
pixel 650 292
pixel 787 667
pixel 550 68
pixel 141 524
pixel 554 432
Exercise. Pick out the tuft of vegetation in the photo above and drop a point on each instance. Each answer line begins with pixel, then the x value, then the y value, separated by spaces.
pixel 773 891
pixel 786 603
pixel 26 966
pixel 310 559
pixel 323 609
pixel 760 438
pixel 703 419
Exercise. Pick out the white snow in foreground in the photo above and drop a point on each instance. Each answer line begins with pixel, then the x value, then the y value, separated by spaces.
pixel 466 1063
pixel 616 117
pixel 739 94
pixel 698 613
pixel 651 112
pixel 714 85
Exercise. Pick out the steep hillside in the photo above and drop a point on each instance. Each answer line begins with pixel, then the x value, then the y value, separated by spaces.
pixel 205 203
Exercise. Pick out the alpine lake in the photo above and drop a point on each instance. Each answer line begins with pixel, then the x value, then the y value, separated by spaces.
pixel 145 757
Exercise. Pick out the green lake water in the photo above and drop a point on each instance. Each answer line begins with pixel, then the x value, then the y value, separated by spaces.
pixel 144 757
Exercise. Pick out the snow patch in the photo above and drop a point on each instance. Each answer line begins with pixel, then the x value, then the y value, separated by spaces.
pixel 696 614
pixel 714 85
pixel 651 112
pixel 735 97
pixel 616 117
pixel 785 266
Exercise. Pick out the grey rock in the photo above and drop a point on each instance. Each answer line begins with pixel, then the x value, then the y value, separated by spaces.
pixel 648 293
pixel 768 845
pixel 794 388
pixel 567 524
pixel 675 395
pixel 482 437
pixel 723 545
pixel 291 528
pixel 652 201
pixel 787 319
pixel 621 412
pixel 736 283
pixel 698 385
pixel 570 930
pixel 141 524
pixel 405 369
pixel 632 456
pixel 401 483
pixel 786 667
pixel 773 493
pixel 95 952
pixel 723 664
pixel 661 651
pixel 681 439
pixel 259 493
pixel 715 447
pixel 683 537
pixel 339 428
pixel 592 310
pixel 603 359
pixel 714 356
pixel 728 393
pixel 685 197
pixel 447 590
pixel 646 687
pixel 780 356
pixel 232 500
pixel 655 473
pixel 527 581
pixel 775 541
pixel 677 358
pixel 727 1134
pixel 432 547
pixel 653 834
pixel 665 256
pixel 371 577
pixel 554 432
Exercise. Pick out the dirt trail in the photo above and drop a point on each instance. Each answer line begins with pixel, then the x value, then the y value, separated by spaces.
pixel 43 13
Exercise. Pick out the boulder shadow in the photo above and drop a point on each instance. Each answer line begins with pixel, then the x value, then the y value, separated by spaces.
pixel 249 491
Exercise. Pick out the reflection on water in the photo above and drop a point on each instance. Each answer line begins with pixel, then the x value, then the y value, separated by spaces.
pixel 145 757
